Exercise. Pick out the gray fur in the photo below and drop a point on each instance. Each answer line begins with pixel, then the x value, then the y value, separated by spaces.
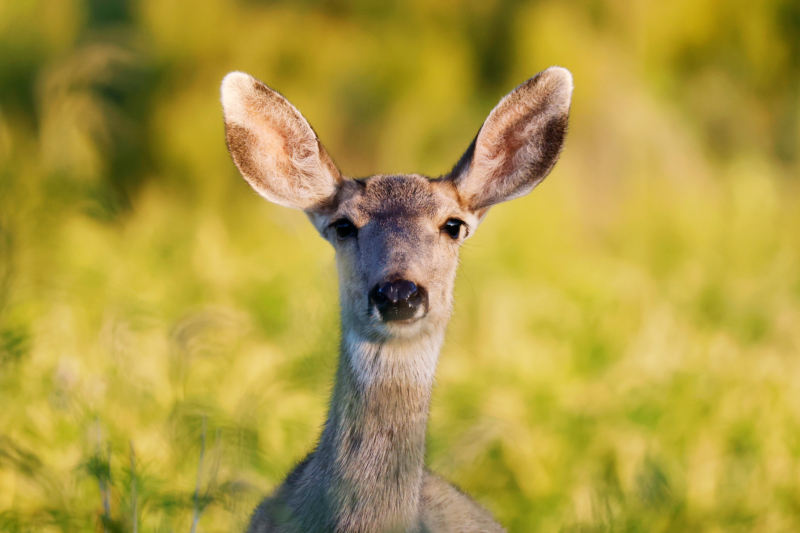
pixel 367 473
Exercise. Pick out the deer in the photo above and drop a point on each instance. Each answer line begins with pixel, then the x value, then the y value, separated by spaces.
pixel 396 239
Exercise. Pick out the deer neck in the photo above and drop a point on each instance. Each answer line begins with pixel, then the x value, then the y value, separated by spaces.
pixel 372 448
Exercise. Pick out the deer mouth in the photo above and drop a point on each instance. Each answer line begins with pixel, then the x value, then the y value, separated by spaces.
pixel 393 318
pixel 405 322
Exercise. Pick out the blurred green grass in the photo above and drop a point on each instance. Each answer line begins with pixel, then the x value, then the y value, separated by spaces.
pixel 624 351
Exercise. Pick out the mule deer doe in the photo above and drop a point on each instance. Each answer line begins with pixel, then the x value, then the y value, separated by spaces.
pixel 397 240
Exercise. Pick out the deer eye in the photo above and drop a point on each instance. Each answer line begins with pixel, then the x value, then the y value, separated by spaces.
pixel 453 227
pixel 344 229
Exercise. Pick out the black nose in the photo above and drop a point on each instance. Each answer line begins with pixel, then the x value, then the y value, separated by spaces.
pixel 398 300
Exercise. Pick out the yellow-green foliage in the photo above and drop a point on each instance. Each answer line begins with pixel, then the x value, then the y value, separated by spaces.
pixel 625 350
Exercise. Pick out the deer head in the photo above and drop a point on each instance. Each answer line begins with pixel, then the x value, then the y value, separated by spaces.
pixel 397 237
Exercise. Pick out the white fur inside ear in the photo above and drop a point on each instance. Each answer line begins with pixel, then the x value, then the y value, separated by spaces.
pixel 237 88
pixel 520 140
pixel 560 79
pixel 273 145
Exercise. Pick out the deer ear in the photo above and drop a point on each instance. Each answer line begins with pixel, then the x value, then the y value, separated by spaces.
pixel 518 144
pixel 274 147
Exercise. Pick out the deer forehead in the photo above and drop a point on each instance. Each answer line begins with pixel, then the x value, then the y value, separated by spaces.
pixel 400 197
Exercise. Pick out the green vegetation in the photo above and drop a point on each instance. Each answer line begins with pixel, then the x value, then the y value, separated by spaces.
pixel 625 352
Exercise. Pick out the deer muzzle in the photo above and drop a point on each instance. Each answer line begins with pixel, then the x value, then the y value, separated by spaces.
pixel 399 300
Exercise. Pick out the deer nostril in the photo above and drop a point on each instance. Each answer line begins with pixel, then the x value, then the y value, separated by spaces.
pixel 397 291
pixel 398 300
pixel 388 292
pixel 406 289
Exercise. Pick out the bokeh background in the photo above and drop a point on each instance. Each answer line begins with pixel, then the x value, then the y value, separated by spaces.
pixel 625 350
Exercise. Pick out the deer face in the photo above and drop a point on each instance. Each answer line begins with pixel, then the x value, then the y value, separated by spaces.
pixel 396 237
pixel 397 240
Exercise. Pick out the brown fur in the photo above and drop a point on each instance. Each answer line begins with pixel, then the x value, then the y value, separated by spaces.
pixel 367 473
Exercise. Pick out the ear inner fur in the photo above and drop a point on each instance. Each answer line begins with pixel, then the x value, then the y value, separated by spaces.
pixel 274 147
pixel 518 144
